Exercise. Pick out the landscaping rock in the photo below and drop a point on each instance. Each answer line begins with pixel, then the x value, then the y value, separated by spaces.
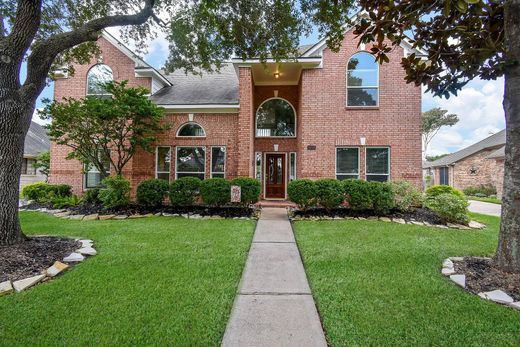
pixel 447 263
pixel 399 220
pixel 515 305
pixel 459 280
pixel 498 296
pixel 57 268
pixel 385 219
pixel 149 215
pixel 476 225
pixel 447 271
pixel 6 288
pixel 135 216
pixel 428 224
pixel 158 214
pixel 196 216
pixel 120 217
pixel 27 282
pixel 458 226
pixel 414 222
pixel 185 215
pixel 441 226
pixel 372 218
pixel 456 258
pixel 74 257
pixel 361 218
pixel 87 251
pixel 62 214
pixel 106 216
pixel 86 243
pixel 77 217
pixel 91 217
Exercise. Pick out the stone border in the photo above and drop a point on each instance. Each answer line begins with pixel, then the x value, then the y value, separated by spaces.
pixel 86 249
pixel 498 296
pixel 65 214
pixel 471 225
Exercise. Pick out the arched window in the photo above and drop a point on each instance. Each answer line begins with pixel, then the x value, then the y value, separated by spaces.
pixel 97 77
pixel 191 130
pixel 276 118
pixel 362 80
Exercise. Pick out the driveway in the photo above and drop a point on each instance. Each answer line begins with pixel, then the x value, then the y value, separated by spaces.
pixel 485 208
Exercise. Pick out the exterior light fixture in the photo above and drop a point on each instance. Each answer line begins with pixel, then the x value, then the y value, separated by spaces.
pixel 362 141
pixel 275 147
pixel 276 75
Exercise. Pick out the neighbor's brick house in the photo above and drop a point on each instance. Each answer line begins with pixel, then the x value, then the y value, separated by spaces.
pixel 276 122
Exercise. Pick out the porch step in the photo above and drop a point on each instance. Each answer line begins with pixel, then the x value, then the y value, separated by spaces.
pixel 275 203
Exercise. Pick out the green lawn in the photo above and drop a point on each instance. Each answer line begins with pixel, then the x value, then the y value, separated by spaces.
pixel 488 199
pixel 379 284
pixel 155 281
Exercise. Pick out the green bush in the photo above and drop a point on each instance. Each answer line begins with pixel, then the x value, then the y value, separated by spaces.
pixel 329 193
pixel 116 192
pixel 358 194
pixel 184 191
pixel 45 192
pixel 449 207
pixel 250 189
pixel 91 196
pixel 406 196
pixel 443 189
pixel 65 201
pixel 152 192
pixel 215 191
pixel 302 192
pixel 382 196
pixel 484 190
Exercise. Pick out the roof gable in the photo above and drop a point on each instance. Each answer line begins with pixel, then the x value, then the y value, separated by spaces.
pixel 36 141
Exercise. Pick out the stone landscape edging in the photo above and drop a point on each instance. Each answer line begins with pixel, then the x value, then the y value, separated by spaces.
pixel 497 295
pixel 86 250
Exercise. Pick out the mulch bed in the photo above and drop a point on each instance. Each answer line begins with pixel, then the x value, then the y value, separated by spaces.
pixel 31 257
pixel 419 215
pixel 483 276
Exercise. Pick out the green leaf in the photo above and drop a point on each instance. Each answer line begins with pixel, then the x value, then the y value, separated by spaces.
pixel 462 6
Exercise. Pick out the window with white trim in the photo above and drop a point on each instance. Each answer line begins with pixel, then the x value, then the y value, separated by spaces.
pixel 93 176
pixel 362 80
pixel 191 130
pixel 218 162
pixel 276 117
pixel 190 161
pixel 258 166
pixel 162 162
pixel 28 167
pixel 347 163
pixel 377 161
pixel 97 77
pixel 292 166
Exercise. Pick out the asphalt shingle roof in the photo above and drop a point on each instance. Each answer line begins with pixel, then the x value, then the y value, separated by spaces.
pixel 495 140
pixel 499 153
pixel 36 141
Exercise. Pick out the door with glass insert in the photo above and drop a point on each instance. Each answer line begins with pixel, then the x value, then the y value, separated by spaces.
pixel 275 176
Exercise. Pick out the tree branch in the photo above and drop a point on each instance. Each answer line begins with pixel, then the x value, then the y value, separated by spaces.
pixel 25 27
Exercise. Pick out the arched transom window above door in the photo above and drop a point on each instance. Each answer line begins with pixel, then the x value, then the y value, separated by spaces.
pixel 191 129
pixel 97 77
pixel 362 80
pixel 276 117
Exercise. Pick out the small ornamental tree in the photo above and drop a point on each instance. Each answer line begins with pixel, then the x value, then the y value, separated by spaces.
pixel 101 130
pixel 43 163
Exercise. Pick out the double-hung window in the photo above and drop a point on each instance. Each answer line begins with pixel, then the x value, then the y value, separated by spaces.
pixel 347 163
pixel 190 161
pixel 292 166
pixel 377 164
pixel 362 80
pixel 162 162
pixel 93 175
pixel 218 161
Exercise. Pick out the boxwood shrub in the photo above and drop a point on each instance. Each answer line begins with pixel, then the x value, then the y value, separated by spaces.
pixel 215 191
pixel 116 192
pixel 152 192
pixel 382 197
pixel 329 193
pixel 450 207
pixel 91 196
pixel 250 189
pixel 358 194
pixel 443 189
pixel 184 191
pixel 45 192
pixel 302 192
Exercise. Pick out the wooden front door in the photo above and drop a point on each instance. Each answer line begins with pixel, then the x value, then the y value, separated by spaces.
pixel 275 176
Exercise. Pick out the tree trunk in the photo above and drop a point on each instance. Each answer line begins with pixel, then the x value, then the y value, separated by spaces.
pixel 508 252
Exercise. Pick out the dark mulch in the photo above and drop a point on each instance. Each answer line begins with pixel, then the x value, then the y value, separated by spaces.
pixel 31 257
pixel 420 214
pixel 483 276
pixel 86 209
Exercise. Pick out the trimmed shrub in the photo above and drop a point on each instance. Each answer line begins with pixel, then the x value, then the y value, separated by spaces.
pixel 302 192
pixel 152 192
pixel 406 196
pixel 484 190
pixel 91 196
pixel 443 189
pixel 449 207
pixel 215 191
pixel 116 192
pixel 329 193
pixel 250 189
pixel 382 196
pixel 358 194
pixel 65 201
pixel 184 191
pixel 45 192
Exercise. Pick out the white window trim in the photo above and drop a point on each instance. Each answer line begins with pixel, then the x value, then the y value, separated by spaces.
pixel 93 170
pixel 295 166
pixel 389 162
pixel 157 172
pixel 336 161
pixel 276 137
pixel 361 87
pixel 86 83
pixel 211 162
pixel 261 166
pixel 189 172
pixel 195 136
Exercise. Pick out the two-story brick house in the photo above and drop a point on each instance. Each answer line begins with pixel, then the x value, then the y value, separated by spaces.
pixel 338 115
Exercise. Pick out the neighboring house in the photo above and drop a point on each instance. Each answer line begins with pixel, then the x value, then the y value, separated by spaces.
pixel 479 164
pixel 277 122
pixel 36 142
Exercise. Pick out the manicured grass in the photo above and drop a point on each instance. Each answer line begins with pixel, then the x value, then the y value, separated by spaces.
pixel 155 281
pixel 379 284
pixel 491 200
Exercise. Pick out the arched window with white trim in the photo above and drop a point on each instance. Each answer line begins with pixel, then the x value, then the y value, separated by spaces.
pixel 97 77
pixel 191 130
pixel 276 117
pixel 362 80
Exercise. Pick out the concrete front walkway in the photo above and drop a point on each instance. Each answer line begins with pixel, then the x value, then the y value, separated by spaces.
pixel 485 208
pixel 274 306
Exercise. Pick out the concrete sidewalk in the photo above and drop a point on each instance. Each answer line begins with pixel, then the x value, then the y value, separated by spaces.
pixel 485 208
pixel 274 306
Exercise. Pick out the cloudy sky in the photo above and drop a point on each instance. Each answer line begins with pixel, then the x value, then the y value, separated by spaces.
pixel 479 104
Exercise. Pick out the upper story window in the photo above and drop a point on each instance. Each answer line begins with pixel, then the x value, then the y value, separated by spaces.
pixel 191 130
pixel 362 80
pixel 97 77
pixel 276 118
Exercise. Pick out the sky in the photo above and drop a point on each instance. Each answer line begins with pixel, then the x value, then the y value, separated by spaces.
pixel 478 104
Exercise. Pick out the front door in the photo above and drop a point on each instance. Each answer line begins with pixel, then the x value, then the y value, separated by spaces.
pixel 275 176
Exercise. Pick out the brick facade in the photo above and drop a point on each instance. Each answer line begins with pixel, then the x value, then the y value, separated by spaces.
pixel 322 120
